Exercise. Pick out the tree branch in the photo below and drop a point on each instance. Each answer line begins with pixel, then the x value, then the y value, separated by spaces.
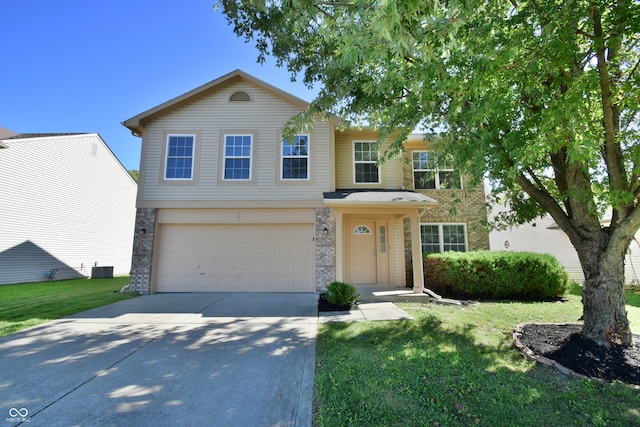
pixel 612 153
pixel 545 200
pixel 339 4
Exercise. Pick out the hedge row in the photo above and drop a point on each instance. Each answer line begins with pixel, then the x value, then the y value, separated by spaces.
pixel 503 274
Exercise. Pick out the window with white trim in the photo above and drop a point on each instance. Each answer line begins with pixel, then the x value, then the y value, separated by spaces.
pixel 430 174
pixel 437 238
pixel 365 162
pixel 295 158
pixel 179 157
pixel 237 157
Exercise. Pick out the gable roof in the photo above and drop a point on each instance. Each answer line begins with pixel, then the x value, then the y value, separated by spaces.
pixel 4 134
pixel 137 123
pixel 42 135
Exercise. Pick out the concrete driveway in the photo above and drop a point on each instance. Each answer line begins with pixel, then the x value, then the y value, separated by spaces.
pixel 213 359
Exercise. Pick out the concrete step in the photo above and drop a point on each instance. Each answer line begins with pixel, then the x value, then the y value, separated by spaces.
pixel 381 293
pixel 392 295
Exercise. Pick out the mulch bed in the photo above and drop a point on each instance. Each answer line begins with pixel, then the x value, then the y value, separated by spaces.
pixel 561 346
pixel 324 305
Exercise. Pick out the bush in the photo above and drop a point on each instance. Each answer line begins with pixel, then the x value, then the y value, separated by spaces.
pixel 340 293
pixel 504 274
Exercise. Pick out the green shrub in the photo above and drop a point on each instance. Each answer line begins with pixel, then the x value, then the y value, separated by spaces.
pixel 504 274
pixel 340 293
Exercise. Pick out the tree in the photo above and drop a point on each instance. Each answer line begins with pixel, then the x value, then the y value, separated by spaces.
pixel 134 174
pixel 541 97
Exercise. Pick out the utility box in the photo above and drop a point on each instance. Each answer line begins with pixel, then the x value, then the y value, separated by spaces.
pixel 102 272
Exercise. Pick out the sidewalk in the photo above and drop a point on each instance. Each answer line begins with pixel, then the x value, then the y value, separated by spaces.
pixel 376 303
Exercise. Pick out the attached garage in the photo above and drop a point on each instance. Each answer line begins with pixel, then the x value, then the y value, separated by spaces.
pixel 244 257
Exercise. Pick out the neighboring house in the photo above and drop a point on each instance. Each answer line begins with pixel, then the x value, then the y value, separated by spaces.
pixel 67 204
pixel 224 204
pixel 544 236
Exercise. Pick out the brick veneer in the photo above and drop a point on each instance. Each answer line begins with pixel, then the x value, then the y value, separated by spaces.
pixel 325 249
pixel 142 258
pixel 470 209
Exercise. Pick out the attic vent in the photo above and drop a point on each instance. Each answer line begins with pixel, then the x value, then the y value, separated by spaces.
pixel 240 96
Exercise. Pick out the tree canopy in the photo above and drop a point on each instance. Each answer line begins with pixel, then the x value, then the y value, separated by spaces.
pixel 541 97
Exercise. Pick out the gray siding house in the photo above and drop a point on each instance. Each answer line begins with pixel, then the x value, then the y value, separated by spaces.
pixel 67 204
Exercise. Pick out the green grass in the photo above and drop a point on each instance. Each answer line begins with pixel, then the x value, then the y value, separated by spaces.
pixel 456 366
pixel 29 304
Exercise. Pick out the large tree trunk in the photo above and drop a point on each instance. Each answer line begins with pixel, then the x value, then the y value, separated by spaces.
pixel 605 315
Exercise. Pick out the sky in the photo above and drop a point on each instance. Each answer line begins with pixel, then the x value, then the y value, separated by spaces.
pixel 87 66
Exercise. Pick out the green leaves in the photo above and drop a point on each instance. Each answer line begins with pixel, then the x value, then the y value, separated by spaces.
pixel 510 85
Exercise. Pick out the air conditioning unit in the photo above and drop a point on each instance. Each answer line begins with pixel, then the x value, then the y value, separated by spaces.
pixel 101 272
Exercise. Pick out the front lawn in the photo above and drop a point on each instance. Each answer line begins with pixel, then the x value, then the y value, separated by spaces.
pixel 29 304
pixel 456 366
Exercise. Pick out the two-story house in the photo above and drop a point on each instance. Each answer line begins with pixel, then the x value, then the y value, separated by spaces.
pixel 67 205
pixel 226 204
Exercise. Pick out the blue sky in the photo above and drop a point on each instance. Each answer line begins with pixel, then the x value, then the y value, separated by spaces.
pixel 86 66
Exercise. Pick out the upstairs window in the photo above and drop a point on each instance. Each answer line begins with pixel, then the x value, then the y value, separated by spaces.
pixel 429 174
pixel 237 157
pixel 365 162
pixel 438 238
pixel 179 161
pixel 295 158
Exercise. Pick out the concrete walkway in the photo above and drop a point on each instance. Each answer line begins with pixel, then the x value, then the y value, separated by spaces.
pixel 365 312
pixel 208 359
pixel 376 302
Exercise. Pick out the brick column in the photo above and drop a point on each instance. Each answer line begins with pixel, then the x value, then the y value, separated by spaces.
pixel 143 241
pixel 325 249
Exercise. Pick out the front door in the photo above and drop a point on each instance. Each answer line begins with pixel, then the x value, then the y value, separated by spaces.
pixel 363 260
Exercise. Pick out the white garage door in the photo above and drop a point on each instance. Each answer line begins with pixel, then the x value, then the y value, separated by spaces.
pixel 235 258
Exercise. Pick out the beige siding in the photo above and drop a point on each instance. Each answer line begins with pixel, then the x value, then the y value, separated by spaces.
pixel 66 203
pixel 391 171
pixel 236 216
pixel 209 116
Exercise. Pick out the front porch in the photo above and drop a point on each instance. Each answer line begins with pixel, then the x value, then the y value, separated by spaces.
pixel 370 228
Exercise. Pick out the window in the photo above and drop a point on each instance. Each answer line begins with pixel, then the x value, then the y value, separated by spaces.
pixel 237 157
pixel 362 229
pixel 365 162
pixel 295 158
pixel 429 174
pixel 179 160
pixel 443 238
pixel 383 239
